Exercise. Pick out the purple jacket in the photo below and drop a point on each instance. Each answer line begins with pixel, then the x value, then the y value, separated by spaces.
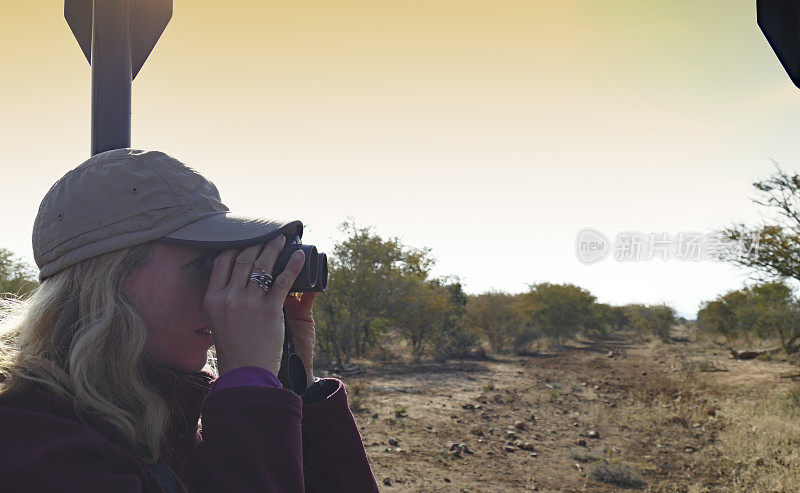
pixel 250 441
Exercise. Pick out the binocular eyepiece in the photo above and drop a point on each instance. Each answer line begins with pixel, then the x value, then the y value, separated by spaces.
pixel 313 276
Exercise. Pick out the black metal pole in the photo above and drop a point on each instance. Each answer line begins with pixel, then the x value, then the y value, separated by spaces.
pixel 111 75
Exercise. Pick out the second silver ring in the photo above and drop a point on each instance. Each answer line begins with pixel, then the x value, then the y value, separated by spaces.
pixel 262 279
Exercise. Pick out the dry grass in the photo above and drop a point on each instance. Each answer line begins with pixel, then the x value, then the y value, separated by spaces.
pixel 654 343
pixel 759 446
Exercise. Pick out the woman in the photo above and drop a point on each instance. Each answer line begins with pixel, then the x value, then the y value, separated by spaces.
pixel 104 368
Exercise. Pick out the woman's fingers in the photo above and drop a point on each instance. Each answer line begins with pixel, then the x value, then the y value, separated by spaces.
pixel 307 300
pixel 266 261
pixel 243 266
pixel 295 309
pixel 221 270
pixel 300 306
pixel 232 268
pixel 248 328
pixel 283 283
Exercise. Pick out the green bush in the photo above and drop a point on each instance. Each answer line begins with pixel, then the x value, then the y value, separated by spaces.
pixel 655 319
pixel 16 277
pixel 765 311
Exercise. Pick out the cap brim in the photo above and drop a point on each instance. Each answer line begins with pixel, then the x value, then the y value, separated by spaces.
pixel 226 230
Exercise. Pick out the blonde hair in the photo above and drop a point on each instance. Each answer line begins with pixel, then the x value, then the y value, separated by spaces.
pixel 82 339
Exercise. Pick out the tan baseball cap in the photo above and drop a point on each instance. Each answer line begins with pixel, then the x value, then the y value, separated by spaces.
pixel 126 197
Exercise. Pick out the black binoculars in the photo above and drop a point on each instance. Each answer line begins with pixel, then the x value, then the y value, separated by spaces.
pixel 313 277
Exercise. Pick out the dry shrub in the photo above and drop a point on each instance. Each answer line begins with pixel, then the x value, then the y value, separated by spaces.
pixel 586 455
pixel 383 354
pixel 322 360
pixel 618 474
pixel 554 395
pixel 793 400
pixel 356 398
pixel 543 344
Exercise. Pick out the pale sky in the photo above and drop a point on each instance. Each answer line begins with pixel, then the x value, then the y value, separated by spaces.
pixel 491 132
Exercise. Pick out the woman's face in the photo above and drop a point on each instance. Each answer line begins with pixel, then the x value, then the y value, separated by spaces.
pixel 168 294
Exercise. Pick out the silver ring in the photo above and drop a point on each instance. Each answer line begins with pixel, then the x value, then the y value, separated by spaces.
pixel 262 279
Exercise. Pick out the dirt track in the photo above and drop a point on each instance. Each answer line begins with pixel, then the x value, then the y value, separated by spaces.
pixel 651 407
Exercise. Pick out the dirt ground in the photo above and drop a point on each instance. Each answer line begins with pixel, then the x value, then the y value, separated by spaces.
pixel 546 422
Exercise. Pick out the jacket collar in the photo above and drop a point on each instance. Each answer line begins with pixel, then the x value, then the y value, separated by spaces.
pixel 183 392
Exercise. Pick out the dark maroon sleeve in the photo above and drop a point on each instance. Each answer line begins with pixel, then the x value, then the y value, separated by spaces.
pixel 244 376
pixel 338 459
pixel 251 442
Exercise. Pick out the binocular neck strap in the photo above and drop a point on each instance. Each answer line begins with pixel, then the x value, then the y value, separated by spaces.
pixel 292 373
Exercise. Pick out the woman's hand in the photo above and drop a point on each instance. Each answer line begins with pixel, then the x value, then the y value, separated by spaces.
pixel 247 323
pixel 301 323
